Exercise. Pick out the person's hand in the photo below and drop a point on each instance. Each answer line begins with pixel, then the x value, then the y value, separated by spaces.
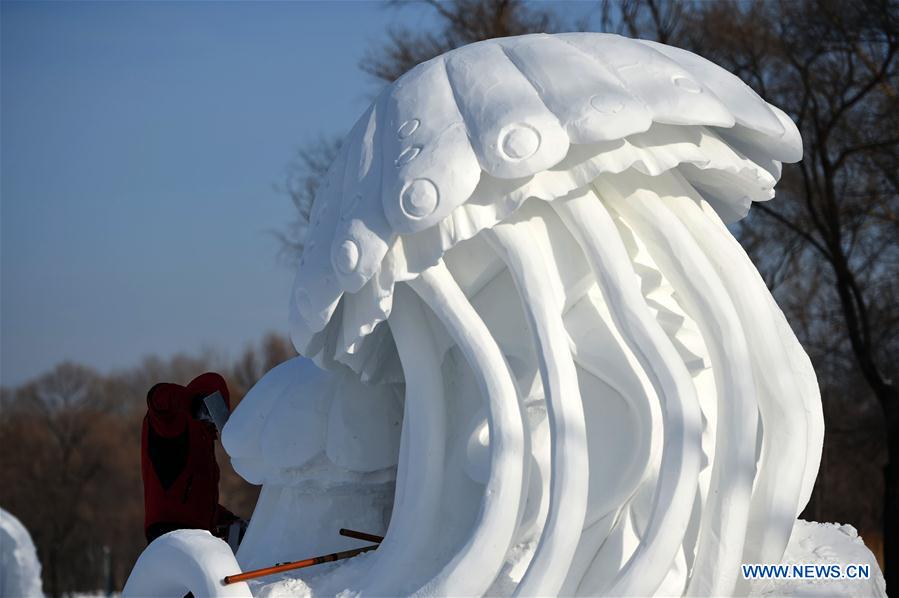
pixel 198 408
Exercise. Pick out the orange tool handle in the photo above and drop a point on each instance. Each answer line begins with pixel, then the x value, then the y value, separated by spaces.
pixel 361 535
pixel 336 556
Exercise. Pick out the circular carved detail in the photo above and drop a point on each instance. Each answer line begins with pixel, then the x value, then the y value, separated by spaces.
pixel 419 198
pixel 519 142
pixel 407 128
pixel 407 155
pixel 346 256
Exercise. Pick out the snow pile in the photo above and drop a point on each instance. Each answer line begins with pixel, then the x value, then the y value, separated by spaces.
pixel 20 571
pixel 825 544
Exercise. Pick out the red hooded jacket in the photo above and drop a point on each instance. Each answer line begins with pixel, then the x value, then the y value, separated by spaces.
pixel 180 473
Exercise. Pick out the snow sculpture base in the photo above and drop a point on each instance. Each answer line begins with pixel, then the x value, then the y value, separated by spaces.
pixel 300 522
pixel 825 544
pixel 194 560
pixel 810 543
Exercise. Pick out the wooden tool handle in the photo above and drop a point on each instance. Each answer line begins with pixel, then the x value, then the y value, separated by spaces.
pixel 361 535
pixel 336 556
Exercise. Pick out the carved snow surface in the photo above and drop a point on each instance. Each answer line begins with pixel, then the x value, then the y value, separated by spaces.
pixel 459 142
pixel 581 338
pixel 282 437
pixel 548 367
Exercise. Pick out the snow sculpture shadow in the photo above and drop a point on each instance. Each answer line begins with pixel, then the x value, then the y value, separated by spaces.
pixel 521 254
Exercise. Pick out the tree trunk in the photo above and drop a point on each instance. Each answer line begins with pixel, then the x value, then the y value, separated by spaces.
pixel 54 574
pixel 890 405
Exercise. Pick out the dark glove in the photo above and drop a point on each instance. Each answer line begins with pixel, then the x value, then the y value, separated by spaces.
pixel 198 409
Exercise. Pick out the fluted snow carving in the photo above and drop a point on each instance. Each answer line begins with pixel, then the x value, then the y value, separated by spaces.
pixel 525 238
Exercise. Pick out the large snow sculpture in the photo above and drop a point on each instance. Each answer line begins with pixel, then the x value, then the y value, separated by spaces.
pixel 548 367
pixel 539 221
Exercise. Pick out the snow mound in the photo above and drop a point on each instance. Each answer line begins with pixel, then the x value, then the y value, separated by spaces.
pixel 825 544
pixel 20 570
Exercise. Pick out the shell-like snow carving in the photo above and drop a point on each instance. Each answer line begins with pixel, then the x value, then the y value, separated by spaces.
pixel 459 142
pixel 537 223
pixel 525 239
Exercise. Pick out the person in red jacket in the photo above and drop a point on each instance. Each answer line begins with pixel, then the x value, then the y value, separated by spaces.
pixel 180 473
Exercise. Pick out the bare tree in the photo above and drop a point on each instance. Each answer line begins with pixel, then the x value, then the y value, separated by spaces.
pixel 659 20
pixel 460 22
pixel 255 361
pixel 304 175
pixel 54 450
pixel 70 460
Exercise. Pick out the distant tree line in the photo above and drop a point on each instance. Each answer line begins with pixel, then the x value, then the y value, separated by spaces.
pixel 70 460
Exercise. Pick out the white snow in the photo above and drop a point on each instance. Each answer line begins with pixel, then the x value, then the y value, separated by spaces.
pixel 187 560
pixel 20 570
pixel 825 544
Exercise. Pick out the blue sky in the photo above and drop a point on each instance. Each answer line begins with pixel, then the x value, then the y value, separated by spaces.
pixel 139 147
